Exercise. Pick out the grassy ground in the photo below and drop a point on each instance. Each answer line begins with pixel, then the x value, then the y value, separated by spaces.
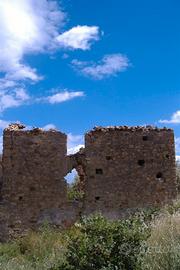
pixel 38 250
pixel 149 240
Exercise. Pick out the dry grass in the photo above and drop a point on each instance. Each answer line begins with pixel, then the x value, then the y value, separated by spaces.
pixel 42 250
pixel 163 251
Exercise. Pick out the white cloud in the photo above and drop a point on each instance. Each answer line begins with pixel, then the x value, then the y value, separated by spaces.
pixel 12 94
pixel 33 27
pixel 13 98
pixel 79 37
pixel 26 27
pixel 110 65
pixel 6 84
pixel 74 140
pixel 24 72
pixel 49 126
pixel 62 97
pixel 75 149
pixel 74 143
pixel 177 145
pixel 175 119
pixel 4 124
pixel 21 94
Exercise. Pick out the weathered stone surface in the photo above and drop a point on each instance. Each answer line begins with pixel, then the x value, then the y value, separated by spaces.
pixel 34 166
pixel 121 169
pixel 128 167
pixel 63 217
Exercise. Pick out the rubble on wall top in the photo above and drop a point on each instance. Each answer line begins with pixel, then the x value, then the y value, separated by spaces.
pixel 21 127
pixel 36 130
pixel 40 130
pixel 127 128
pixel 15 126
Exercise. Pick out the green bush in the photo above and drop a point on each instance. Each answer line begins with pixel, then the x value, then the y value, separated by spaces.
pixel 93 243
pixel 149 240
pixel 105 245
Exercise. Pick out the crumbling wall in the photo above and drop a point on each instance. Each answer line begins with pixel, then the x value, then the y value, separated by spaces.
pixel 78 161
pixel 128 168
pixel 0 175
pixel 121 168
pixel 34 166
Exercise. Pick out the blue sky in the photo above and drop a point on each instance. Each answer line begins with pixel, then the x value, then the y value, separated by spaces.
pixel 74 64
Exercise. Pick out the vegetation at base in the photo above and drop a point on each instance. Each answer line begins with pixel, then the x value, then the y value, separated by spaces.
pixel 38 250
pixel 102 244
pixel 93 243
pixel 163 245
pixel 147 240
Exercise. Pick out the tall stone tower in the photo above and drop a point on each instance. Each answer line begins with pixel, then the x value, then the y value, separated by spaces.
pixel 34 166
pixel 128 167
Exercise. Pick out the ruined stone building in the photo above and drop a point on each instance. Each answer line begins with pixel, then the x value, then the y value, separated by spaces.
pixel 120 169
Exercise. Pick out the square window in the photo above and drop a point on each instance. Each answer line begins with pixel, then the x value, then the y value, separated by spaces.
pixel 145 138
pixel 99 171
pixel 141 162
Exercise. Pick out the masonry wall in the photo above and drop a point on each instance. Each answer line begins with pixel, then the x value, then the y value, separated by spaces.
pixel 120 168
pixel 34 166
pixel 128 168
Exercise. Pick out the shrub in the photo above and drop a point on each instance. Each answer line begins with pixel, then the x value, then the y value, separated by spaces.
pixel 100 244
pixel 105 245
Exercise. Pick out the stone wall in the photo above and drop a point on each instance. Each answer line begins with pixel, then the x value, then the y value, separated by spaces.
pixel 128 168
pixel 34 166
pixel 120 169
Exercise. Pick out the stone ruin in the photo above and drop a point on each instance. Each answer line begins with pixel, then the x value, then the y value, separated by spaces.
pixel 121 169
